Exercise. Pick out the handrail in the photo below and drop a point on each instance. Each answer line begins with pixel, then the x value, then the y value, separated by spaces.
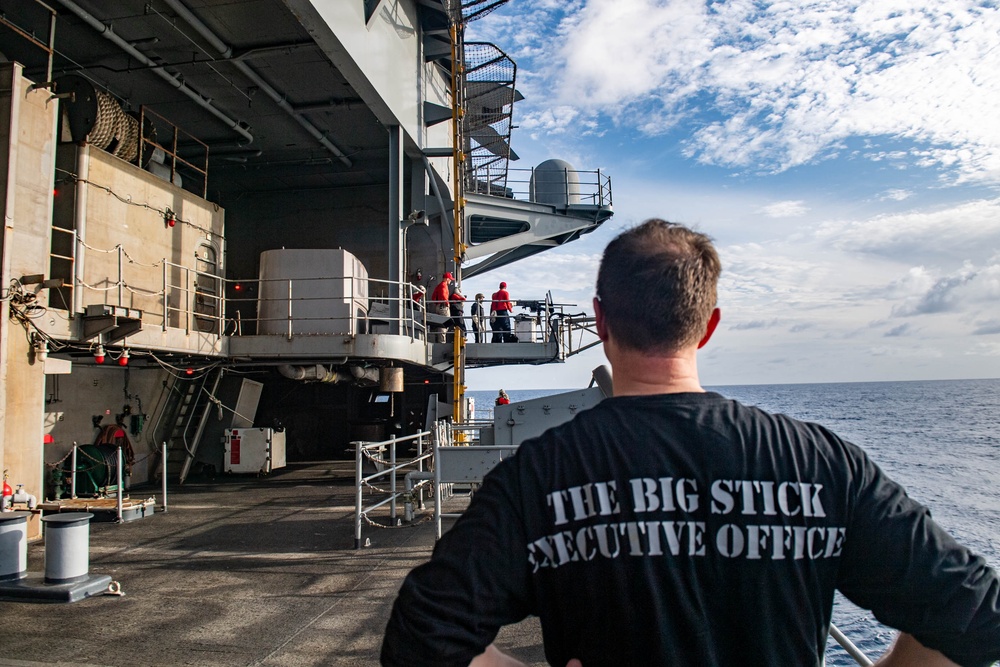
pixel 849 646
pixel 589 187
pixel 172 295
pixel 361 449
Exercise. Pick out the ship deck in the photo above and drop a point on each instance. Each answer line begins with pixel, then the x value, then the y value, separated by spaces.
pixel 240 570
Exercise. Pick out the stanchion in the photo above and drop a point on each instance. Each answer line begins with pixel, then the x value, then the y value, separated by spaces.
pixel 73 487
pixel 163 476
pixel 121 484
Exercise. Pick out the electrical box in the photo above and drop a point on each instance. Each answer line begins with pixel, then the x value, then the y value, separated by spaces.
pixel 255 450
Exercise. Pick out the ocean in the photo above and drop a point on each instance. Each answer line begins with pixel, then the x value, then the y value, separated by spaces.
pixel 939 439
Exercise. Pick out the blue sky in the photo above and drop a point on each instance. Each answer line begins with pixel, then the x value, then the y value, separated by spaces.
pixel 844 155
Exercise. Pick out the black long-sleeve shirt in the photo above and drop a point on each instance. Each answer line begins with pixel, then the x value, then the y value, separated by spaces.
pixel 689 529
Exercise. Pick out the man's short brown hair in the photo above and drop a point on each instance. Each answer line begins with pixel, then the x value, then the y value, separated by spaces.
pixel 658 286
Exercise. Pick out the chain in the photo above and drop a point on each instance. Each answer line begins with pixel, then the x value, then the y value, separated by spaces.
pixel 413 524
pixel 377 459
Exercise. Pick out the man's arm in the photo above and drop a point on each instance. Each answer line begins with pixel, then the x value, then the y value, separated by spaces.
pixel 915 577
pixel 449 609
pixel 904 652
pixel 494 657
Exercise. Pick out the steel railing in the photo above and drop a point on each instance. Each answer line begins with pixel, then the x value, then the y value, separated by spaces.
pixel 171 295
pixel 388 469
pixel 582 187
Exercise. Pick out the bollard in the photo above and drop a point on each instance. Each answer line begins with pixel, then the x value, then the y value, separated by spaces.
pixel 67 560
pixel 67 547
pixel 13 545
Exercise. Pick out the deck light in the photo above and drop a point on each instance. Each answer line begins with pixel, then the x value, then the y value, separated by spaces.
pixel 99 355
pixel 123 360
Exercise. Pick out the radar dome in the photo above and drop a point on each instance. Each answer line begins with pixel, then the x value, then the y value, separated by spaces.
pixel 555 182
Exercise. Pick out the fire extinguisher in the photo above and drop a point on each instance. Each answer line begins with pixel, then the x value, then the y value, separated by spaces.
pixel 8 494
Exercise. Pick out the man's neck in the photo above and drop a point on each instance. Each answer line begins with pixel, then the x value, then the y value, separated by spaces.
pixel 640 374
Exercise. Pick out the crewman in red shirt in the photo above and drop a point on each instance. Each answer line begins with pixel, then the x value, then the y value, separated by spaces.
pixel 439 305
pixel 500 323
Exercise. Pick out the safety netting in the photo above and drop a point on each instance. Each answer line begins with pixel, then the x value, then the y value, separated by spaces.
pixel 488 101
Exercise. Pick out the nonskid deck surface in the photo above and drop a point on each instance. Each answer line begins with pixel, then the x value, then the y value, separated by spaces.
pixel 238 571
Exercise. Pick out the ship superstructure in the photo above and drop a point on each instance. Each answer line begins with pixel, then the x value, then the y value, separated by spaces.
pixel 226 215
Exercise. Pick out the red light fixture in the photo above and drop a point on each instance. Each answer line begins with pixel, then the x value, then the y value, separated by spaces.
pixel 99 355
pixel 48 439
pixel 189 371
pixel 169 219
pixel 237 287
pixel 123 360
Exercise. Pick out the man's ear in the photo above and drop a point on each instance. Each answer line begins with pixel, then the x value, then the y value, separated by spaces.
pixel 602 331
pixel 713 321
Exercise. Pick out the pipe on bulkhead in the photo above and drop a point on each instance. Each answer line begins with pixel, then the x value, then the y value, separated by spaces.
pixel 226 51
pixel 315 373
pixel 107 31
pixel 22 496
pixel 80 224
pixel 370 374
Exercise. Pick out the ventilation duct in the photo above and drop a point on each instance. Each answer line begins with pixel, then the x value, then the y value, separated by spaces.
pixel 316 373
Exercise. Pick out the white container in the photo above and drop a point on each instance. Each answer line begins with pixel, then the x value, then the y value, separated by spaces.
pixel 311 291
pixel 254 450
pixel 524 329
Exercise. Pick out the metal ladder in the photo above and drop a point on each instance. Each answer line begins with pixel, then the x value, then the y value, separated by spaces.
pixel 187 409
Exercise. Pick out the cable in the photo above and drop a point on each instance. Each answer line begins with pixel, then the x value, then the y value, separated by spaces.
pixel 127 199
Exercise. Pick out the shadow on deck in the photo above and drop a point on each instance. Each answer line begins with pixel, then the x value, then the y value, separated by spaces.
pixel 238 571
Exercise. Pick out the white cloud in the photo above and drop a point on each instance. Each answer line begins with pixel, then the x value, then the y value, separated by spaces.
pixel 896 194
pixel 905 352
pixel 845 287
pixel 569 275
pixel 755 324
pixel 966 231
pixel 777 85
pixel 904 329
pixel 554 120
pixel 984 350
pixel 987 327
pixel 864 273
pixel 785 209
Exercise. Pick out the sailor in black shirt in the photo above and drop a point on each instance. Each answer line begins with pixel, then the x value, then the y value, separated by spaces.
pixel 669 525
